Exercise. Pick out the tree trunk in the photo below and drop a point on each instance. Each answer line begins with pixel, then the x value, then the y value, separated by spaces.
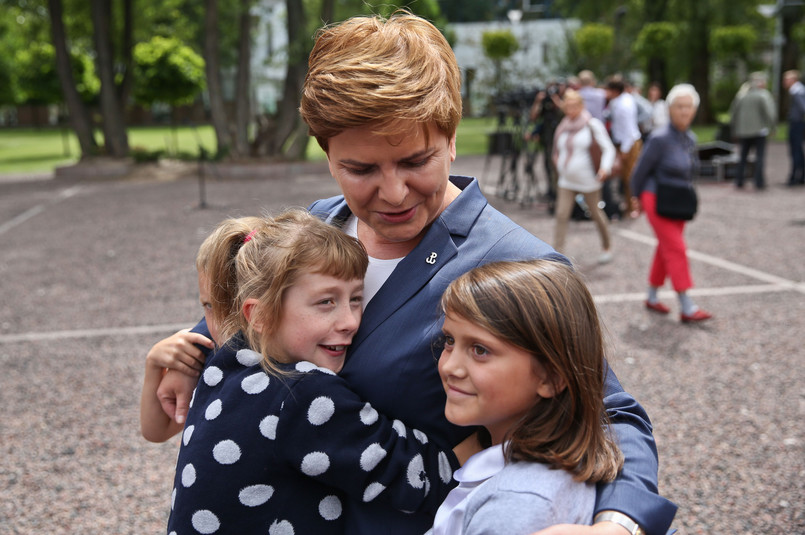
pixel 114 129
pixel 286 135
pixel 242 90
pixel 79 116
pixel 212 65
pixel 124 89
pixel 700 58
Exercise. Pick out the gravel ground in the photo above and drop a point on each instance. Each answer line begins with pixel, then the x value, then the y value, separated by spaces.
pixel 93 273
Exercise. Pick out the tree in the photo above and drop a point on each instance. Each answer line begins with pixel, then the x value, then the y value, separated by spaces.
pixel 167 71
pixel 114 127
pixel 594 42
pixel 655 43
pixel 79 116
pixel 498 46
pixel 212 66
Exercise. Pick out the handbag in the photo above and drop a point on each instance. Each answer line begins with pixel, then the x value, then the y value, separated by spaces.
pixel 676 201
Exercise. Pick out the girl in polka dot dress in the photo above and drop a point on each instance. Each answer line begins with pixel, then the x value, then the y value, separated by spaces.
pixel 524 358
pixel 274 439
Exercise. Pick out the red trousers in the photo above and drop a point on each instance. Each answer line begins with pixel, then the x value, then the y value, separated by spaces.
pixel 671 257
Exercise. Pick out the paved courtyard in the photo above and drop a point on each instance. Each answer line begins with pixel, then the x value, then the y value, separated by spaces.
pixel 93 272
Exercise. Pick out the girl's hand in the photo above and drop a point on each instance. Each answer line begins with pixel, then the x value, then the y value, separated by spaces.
pixel 174 394
pixel 179 352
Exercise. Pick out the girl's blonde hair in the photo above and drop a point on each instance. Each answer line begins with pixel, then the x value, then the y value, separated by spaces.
pixel 383 72
pixel 278 251
pixel 545 308
pixel 216 260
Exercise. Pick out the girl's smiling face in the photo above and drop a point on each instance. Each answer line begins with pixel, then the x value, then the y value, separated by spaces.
pixel 320 315
pixel 488 381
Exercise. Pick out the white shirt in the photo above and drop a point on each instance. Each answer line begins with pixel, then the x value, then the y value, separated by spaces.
pixel 379 269
pixel 623 114
pixel 478 468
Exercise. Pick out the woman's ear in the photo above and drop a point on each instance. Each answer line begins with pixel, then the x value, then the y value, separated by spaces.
pixel 250 313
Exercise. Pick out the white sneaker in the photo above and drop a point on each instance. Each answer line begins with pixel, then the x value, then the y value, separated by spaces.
pixel 605 258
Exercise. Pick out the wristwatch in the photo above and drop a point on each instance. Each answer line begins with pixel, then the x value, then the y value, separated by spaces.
pixel 620 519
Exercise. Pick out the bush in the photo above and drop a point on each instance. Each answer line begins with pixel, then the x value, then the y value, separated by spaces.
pixel 143 155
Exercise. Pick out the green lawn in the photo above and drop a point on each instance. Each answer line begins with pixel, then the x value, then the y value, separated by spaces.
pixel 29 150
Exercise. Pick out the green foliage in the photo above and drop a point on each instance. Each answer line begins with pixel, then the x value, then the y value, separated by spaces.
pixel 595 41
pixel 499 44
pixel 37 79
pixel 167 71
pixel 732 42
pixel 657 40
pixel 798 35
pixel 723 91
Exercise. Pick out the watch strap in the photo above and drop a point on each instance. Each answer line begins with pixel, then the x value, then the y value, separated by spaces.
pixel 620 519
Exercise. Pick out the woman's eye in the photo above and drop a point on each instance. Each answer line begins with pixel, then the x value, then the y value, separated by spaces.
pixel 360 171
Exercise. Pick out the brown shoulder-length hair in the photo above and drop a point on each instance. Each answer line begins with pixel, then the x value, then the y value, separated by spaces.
pixel 369 70
pixel 281 249
pixel 544 307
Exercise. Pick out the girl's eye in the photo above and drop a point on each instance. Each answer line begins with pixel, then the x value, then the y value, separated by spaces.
pixel 448 341
pixel 479 351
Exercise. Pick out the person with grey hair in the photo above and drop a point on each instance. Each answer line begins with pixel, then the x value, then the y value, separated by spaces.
pixel 669 159
pixel 753 117
pixel 595 98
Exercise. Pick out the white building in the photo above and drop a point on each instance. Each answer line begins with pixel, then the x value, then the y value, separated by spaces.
pixel 543 45
pixel 539 58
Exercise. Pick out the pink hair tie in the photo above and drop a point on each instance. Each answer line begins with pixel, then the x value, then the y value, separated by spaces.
pixel 249 236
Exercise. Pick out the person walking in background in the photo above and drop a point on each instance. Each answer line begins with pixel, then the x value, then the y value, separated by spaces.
pixel 533 382
pixel 659 108
pixel 644 108
pixel 669 157
pixel 546 112
pixel 753 117
pixel 595 98
pixel 625 135
pixel 583 155
pixel 796 126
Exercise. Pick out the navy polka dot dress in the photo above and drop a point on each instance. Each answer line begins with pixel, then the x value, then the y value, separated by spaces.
pixel 279 455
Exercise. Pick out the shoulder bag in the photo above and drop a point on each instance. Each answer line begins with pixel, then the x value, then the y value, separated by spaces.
pixel 676 201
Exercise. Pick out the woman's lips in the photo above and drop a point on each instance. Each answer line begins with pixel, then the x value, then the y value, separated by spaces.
pixel 398 217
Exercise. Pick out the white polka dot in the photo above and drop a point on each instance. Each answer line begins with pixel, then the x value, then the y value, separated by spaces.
pixel 213 375
pixel 368 415
pixel 255 495
pixel 173 498
pixel 213 410
pixel 320 411
pixel 281 527
pixel 188 432
pixel 372 491
pixel 268 427
pixel 400 428
pixel 248 358
pixel 255 383
pixel 226 452
pixel 328 371
pixel 192 398
pixel 330 508
pixel 305 366
pixel 188 475
pixel 371 456
pixel 415 472
pixel 315 464
pixel 172 533
pixel 420 436
pixel 205 521
pixel 445 470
